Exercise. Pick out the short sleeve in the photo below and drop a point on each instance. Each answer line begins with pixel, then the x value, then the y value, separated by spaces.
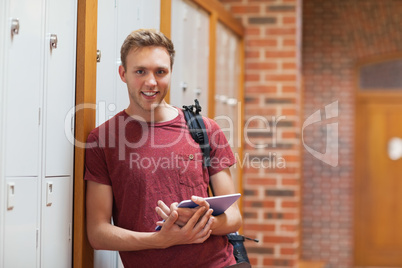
pixel 222 156
pixel 95 162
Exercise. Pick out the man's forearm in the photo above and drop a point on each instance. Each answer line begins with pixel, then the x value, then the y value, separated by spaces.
pixel 109 237
pixel 228 222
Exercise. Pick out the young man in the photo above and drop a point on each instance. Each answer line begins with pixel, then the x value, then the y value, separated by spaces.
pixel 143 161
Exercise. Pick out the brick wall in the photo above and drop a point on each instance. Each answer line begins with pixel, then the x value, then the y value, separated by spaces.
pixel 272 114
pixel 337 34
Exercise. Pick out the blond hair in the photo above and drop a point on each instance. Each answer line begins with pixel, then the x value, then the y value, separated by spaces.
pixel 146 38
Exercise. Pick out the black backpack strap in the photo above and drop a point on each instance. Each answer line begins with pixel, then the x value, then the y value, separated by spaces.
pixel 197 129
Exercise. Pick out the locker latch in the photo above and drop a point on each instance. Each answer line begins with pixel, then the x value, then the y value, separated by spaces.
pixel 49 194
pixel 15 26
pixel 53 41
pixel 98 55
pixel 10 195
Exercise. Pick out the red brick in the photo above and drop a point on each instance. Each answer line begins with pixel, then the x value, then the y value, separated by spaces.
pixel 261 89
pixel 290 182
pixel 288 227
pixel 250 54
pixel 260 66
pixel 258 181
pixel 288 251
pixel 280 54
pixel 253 31
pixel 289 135
pixel 290 204
pixel 289 112
pixel 289 20
pixel 252 77
pixel 242 9
pixel 252 43
pixel 281 31
pixel 280 239
pixel 289 89
pixel 280 78
pixel 259 227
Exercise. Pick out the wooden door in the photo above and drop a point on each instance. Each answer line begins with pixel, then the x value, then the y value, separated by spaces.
pixel 378 195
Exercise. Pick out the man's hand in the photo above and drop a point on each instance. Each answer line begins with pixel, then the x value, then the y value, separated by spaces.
pixel 196 230
pixel 184 213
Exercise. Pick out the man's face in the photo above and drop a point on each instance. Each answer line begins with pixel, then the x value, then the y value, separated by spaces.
pixel 147 76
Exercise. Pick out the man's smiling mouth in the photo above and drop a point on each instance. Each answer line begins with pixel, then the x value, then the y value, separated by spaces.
pixel 150 94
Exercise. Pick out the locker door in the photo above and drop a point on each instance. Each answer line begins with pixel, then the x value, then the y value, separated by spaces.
pixel 178 84
pixel 221 91
pixel 107 67
pixel 132 15
pixel 189 51
pixel 60 85
pixel 146 16
pixel 20 228
pixel 117 19
pixel 56 242
pixel 202 64
pixel 126 23
pixel 190 35
pixel 23 75
pixel 227 106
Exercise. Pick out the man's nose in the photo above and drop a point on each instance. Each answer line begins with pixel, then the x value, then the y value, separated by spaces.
pixel 151 81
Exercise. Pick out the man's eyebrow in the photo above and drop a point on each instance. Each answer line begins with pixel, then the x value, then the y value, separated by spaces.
pixel 144 67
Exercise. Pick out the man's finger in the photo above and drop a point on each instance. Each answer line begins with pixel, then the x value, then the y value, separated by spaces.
pixel 198 215
pixel 171 219
pixel 164 207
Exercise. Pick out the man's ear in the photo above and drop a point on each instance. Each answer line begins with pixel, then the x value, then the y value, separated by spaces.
pixel 122 73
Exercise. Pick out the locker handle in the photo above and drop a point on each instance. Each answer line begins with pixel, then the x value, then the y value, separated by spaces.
pixel 49 194
pixel 98 55
pixel 15 26
pixel 10 195
pixel 183 86
pixel 231 101
pixel 198 91
pixel 53 41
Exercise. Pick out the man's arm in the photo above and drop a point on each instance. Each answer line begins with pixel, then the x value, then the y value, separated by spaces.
pixel 103 235
pixel 231 220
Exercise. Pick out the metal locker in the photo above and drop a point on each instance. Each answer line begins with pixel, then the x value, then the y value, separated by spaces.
pixel 190 35
pixel 20 223
pixel 37 87
pixel 57 220
pixel 59 52
pixel 3 22
pixel 227 106
pixel 23 83
pixel 116 19
pixel 108 61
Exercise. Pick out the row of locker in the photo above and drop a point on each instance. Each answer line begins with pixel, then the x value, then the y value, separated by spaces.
pixel 37 86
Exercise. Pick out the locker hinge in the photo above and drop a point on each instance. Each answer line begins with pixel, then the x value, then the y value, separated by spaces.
pixel 70 232
pixel 39 116
pixel 37 238
pixel 72 123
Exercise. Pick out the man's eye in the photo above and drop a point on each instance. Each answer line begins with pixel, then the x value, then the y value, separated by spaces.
pixel 161 72
pixel 139 72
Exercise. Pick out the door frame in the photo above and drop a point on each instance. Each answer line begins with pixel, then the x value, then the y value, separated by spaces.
pixel 362 97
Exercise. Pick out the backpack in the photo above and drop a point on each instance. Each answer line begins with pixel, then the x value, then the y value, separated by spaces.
pixel 198 132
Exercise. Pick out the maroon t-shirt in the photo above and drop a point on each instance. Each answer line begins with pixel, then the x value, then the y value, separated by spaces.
pixel 147 162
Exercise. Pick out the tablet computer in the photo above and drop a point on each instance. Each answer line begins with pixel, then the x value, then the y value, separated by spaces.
pixel 218 203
